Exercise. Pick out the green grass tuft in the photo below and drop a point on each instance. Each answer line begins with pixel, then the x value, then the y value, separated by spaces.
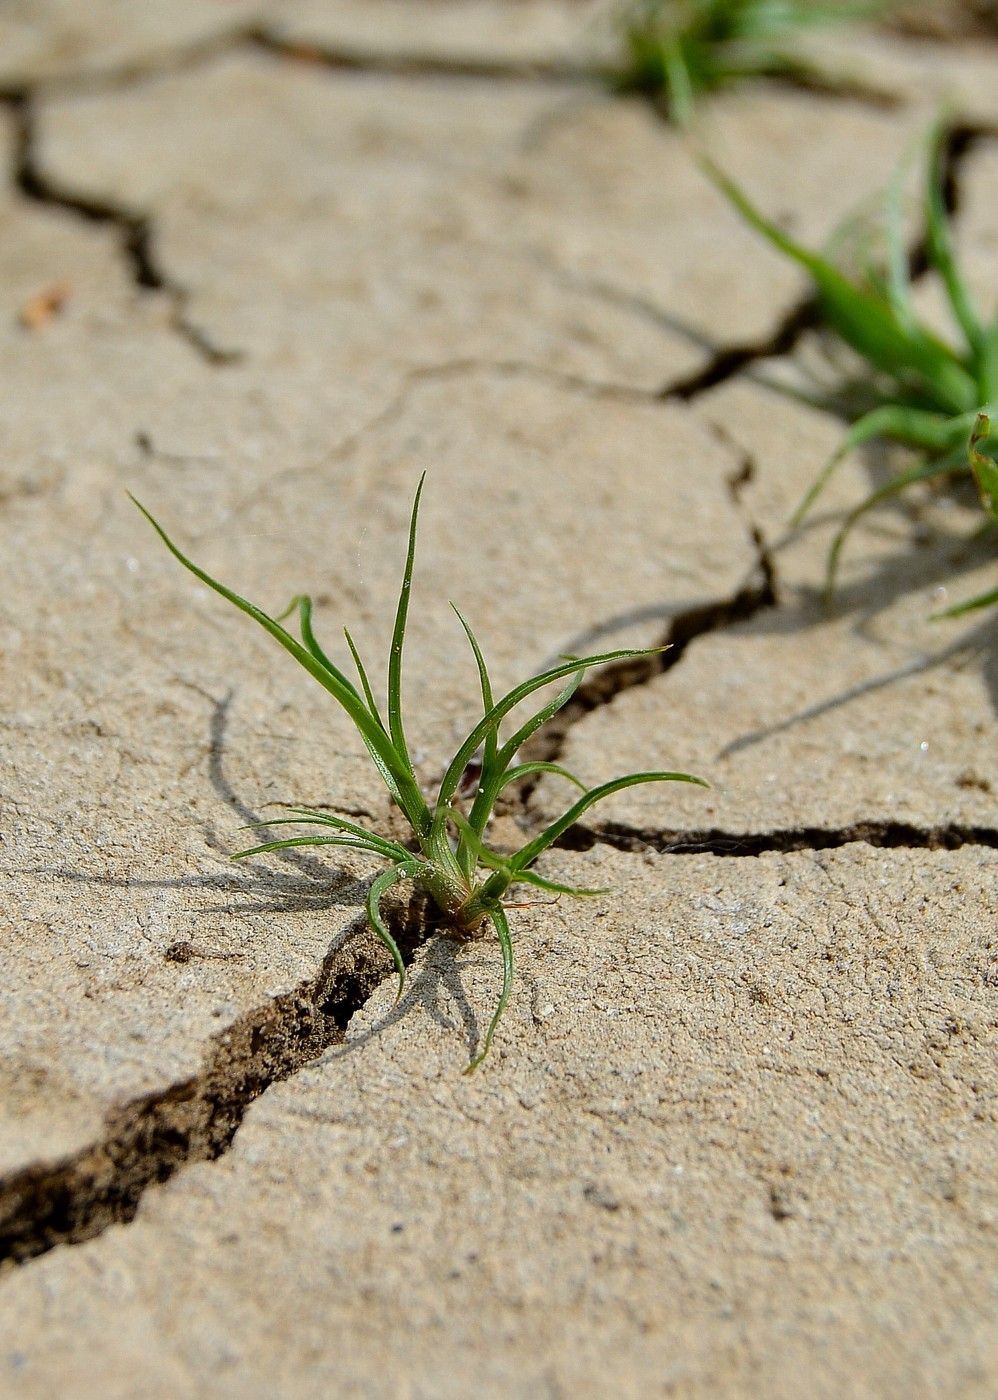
pixel 925 392
pixel 448 856
pixel 676 51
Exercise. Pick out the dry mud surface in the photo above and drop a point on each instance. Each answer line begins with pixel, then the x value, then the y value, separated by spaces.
pixel 737 1135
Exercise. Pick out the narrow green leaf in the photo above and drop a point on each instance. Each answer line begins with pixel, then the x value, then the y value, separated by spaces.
pixel 490 788
pixel 290 842
pixel 530 877
pixel 464 854
pixel 318 814
pixel 491 739
pixel 678 82
pixel 941 251
pixel 404 787
pixel 309 816
pixel 864 320
pixel 502 865
pixel 529 853
pixel 492 784
pixel 501 927
pixel 898 279
pixel 477 848
pixel 983 600
pixel 911 426
pixel 395 726
pixel 375 893
pixel 529 728
pixel 987 370
pixel 509 702
pixel 922 472
pixel 372 704
pixel 309 638
pixel 524 770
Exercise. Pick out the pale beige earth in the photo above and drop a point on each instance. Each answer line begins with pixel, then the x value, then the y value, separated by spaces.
pixel 737 1135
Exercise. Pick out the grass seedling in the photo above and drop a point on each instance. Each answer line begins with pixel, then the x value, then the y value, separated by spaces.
pixel 448 855
pixel 924 392
pixel 678 50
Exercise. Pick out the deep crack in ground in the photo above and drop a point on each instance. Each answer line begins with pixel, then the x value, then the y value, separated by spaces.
pixel 147 1140
pixel 885 835
pixel 606 684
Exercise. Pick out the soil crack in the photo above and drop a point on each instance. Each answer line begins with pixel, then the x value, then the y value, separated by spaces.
pixel 148 1140
pixel 713 841
pixel 603 686
pixel 135 230
pixel 729 361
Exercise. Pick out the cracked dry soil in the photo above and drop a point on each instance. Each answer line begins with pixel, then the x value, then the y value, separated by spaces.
pixel 737 1136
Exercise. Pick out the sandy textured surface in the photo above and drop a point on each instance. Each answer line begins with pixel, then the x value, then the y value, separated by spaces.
pixel 739 1126
pixel 920 69
pixel 867 710
pixel 262 266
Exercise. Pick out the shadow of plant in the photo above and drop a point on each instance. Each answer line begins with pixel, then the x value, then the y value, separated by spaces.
pixel 441 971
pixel 306 884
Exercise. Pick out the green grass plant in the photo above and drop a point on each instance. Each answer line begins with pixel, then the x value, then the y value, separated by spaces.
pixel 675 51
pixel 448 855
pixel 923 390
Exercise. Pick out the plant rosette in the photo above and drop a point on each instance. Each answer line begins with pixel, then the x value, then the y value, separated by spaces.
pixel 448 855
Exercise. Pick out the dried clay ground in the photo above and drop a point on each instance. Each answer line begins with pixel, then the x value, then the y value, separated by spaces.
pixel 262 265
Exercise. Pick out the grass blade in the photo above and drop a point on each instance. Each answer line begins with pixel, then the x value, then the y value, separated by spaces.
pixel 290 842
pixel 477 848
pixel 516 741
pixel 395 727
pixel 404 786
pixel 524 770
pixel 914 427
pixel 310 817
pixel 502 865
pixel 509 702
pixel 372 704
pixel 941 251
pixel 529 853
pixel 491 739
pixel 865 320
pixel 983 600
pixel 679 83
pixel 922 472
pixel 987 370
pixel 465 854
pixel 308 635
pixel 375 893
pixel 506 944
pixel 898 276
pixel 530 877
pixel 490 787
